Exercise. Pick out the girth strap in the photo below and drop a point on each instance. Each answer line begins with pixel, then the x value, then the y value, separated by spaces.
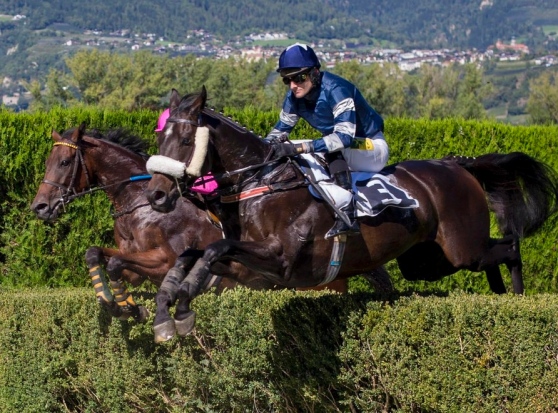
pixel 336 258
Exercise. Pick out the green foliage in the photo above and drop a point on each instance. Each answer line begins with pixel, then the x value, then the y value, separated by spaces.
pixel 119 81
pixel 282 351
pixel 123 81
pixel 543 99
pixel 454 354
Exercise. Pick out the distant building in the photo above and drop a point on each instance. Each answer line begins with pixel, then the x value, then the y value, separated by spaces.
pixel 513 46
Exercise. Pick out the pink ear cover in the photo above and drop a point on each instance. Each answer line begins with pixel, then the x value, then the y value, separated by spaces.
pixel 162 120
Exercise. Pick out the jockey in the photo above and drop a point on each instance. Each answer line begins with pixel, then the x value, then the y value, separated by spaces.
pixel 337 109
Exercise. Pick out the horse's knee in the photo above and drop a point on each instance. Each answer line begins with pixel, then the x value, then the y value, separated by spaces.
pixel 114 267
pixel 171 283
pixel 93 256
pixel 188 258
pixel 215 250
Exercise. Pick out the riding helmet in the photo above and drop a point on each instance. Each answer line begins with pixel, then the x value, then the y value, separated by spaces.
pixel 296 59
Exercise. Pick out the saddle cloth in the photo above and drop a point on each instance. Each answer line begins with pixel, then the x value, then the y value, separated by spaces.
pixel 373 191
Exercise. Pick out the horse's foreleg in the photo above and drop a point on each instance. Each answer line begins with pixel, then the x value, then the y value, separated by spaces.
pixel 164 325
pixel 185 318
pixel 256 256
pixel 126 306
pixel 95 260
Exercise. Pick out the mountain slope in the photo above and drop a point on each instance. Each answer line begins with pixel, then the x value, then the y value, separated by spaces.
pixel 449 23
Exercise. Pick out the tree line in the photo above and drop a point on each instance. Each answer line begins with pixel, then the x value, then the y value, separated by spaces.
pixel 143 80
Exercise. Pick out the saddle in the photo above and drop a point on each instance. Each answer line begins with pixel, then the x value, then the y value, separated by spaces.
pixel 373 191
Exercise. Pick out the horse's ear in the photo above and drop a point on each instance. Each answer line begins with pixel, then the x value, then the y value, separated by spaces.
pixel 199 103
pixel 203 96
pixel 174 100
pixel 78 133
pixel 56 136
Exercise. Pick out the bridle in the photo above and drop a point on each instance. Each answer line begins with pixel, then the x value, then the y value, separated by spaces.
pixel 181 184
pixel 69 193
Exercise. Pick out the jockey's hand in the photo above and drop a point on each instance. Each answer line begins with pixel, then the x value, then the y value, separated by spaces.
pixel 282 150
pixel 284 137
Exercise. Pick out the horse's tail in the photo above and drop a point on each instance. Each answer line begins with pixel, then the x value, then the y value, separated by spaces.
pixel 522 192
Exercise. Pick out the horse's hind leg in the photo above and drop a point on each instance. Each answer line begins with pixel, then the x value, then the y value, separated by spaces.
pixel 504 251
pixel 516 269
pixel 494 277
pixel 115 299
pixel 380 279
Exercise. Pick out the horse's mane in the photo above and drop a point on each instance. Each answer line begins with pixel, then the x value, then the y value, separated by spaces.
pixel 119 136
pixel 188 100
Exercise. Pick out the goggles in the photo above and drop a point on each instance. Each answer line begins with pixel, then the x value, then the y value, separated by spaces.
pixel 301 77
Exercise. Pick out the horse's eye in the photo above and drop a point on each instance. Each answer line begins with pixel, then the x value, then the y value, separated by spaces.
pixel 186 141
pixel 65 162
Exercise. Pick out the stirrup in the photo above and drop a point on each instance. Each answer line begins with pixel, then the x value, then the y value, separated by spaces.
pixel 340 228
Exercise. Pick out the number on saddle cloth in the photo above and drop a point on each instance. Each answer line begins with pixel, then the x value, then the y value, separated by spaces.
pixel 373 192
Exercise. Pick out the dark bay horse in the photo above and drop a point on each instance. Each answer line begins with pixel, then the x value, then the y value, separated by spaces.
pixel 280 234
pixel 148 242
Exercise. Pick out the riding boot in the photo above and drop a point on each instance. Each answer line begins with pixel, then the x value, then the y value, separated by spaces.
pixel 343 179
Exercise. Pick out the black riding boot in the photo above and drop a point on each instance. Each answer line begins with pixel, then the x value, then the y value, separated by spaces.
pixel 343 179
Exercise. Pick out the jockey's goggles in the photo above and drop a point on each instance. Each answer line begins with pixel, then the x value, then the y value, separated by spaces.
pixel 301 77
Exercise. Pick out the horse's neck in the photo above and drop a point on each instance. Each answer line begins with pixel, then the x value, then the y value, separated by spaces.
pixel 113 169
pixel 235 149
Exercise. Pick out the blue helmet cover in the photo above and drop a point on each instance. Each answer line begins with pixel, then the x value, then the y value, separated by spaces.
pixel 298 56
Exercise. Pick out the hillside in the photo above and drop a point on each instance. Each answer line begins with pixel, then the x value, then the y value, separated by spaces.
pixel 406 23
pixel 37 35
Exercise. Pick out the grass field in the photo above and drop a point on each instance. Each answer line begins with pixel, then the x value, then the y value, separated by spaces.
pixel 550 30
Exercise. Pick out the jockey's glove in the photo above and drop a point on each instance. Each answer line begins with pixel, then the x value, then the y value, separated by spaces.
pixel 292 149
pixel 273 139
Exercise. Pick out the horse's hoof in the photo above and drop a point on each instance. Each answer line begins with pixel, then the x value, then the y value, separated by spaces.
pixel 124 316
pixel 143 314
pixel 164 331
pixel 185 326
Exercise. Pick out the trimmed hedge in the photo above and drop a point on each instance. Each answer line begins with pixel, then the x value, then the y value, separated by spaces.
pixel 283 351
pixel 33 253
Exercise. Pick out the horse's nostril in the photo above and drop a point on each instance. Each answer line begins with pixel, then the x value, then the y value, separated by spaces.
pixel 156 197
pixel 39 207
pixel 159 196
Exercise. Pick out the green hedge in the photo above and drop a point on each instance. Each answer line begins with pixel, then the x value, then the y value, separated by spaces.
pixel 283 352
pixel 33 253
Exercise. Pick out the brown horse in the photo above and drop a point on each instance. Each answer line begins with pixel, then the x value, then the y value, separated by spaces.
pixel 280 234
pixel 148 241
